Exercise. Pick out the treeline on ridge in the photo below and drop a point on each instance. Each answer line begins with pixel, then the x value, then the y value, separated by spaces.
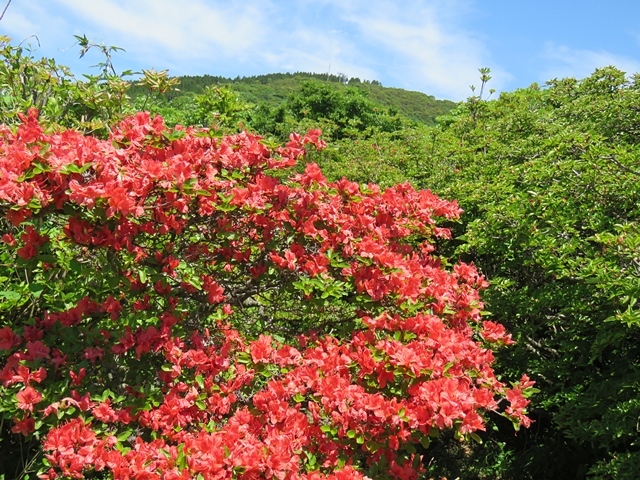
pixel 272 90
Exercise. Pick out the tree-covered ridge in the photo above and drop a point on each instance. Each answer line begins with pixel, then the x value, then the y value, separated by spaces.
pixel 272 90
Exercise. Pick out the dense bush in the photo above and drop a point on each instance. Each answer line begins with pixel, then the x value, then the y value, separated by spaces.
pixel 172 309
pixel 548 180
pixel 341 112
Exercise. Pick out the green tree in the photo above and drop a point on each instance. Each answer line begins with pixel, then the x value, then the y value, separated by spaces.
pixel 548 179
pixel 219 106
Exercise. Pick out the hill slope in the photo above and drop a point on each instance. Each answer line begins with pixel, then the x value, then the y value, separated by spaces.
pixel 273 89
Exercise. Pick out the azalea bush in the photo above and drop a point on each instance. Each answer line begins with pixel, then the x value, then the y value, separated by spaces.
pixel 176 304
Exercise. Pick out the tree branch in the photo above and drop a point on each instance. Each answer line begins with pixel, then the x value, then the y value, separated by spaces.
pixel 620 165
pixel 5 9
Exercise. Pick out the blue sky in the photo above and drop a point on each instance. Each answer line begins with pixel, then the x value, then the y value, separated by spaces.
pixel 432 46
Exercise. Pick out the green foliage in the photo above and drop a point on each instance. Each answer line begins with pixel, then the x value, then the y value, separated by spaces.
pixel 340 113
pixel 90 105
pixel 272 91
pixel 348 109
pixel 385 158
pixel 220 107
pixel 548 178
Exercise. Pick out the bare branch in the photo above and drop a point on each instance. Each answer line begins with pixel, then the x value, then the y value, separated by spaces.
pixel 620 165
pixel 5 9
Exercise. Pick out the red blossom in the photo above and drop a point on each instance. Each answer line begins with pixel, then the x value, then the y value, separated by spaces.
pixel 27 398
pixel 261 349
pixel 215 292
pixel 93 354
pixel 180 220
pixel 112 306
pixel 25 426
pixel 8 339
pixel 76 378
pixel 9 239
pixel 32 242
pixel 16 217
pixel 37 350
pixel 104 412
pixel 494 332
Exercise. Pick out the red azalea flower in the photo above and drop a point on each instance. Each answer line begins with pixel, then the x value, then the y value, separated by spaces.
pixel 27 398
pixel 25 426
pixel 8 339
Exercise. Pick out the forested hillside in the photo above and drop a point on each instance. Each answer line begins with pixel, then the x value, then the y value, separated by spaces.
pixel 272 90
pixel 195 301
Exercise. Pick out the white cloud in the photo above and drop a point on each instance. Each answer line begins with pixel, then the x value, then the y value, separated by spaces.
pixel 422 44
pixel 191 32
pixel 29 22
pixel 315 49
pixel 564 61
pixel 17 24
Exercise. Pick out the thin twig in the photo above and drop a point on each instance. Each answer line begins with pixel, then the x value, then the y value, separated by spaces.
pixel 5 9
pixel 620 165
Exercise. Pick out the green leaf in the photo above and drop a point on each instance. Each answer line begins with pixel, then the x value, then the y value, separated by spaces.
pixel 173 135
pixel 36 289
pixel 73 168
pixel 409 448
pixel 9 295
pixel 75 265
pixel 244 358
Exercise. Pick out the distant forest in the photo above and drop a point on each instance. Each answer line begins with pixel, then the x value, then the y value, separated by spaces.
pixel 273 89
